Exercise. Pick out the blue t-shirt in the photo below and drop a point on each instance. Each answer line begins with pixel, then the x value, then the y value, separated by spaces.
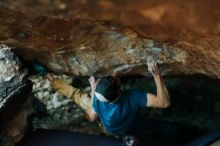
pixel 119 117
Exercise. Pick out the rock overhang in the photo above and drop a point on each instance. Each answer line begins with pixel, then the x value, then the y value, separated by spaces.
pixel 88 46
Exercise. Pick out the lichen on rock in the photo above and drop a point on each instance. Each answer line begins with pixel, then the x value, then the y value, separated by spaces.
pixel 9 64
pixel 11 75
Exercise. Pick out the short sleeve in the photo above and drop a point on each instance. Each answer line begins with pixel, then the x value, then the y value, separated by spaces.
pixel 94 104
pixel 139 98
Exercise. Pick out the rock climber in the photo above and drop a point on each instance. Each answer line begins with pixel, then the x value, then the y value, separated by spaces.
pixel 116 109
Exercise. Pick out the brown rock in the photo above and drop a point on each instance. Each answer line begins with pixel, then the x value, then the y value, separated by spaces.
pixel 86 46
pixel 15 129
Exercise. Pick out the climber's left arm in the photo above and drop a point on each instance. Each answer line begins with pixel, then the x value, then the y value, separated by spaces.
pixel 92 115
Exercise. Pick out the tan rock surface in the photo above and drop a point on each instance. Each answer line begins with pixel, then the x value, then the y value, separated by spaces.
pixel 182 37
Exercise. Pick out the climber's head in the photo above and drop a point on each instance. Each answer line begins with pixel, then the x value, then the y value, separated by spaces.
pixel 108 89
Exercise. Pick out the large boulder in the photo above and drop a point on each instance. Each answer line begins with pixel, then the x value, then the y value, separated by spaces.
pixel 88 46
pixel 14 90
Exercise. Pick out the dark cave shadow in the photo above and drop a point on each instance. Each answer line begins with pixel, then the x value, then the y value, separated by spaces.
pixel 193 98
pixel 163 133
pixel 190 115
pixel 46 137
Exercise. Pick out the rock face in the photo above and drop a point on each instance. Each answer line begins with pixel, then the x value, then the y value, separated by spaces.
pixel 87 46
pixel 61 112
pixel 13 84
pixel 14 89
pixel 17 126
pixel 9 64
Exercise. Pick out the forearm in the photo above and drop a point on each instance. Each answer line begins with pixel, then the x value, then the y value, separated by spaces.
pixel 63 88
pixel 163 98
pixel 92 115
pixel 92 94
pixel 75 94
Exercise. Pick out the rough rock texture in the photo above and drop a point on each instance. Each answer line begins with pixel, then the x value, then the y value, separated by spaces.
pixel 86 46
pixel 54 111
pixel 14 89
pixel 14 86
pixel 17 126
pixel 9 64
pixel 10 72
